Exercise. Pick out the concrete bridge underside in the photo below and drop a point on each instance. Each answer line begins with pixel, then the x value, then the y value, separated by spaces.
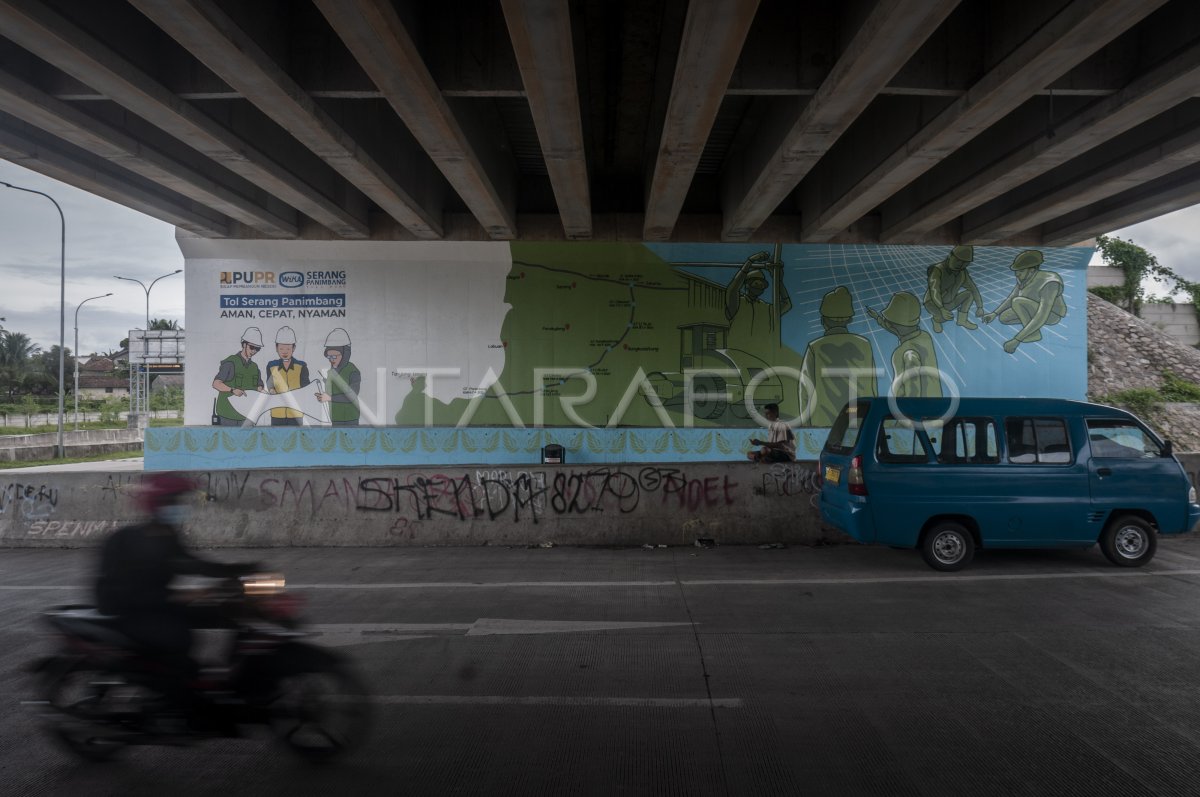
pixel 1031 122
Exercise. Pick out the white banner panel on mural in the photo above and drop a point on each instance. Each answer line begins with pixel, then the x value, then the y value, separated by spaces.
pixel 272 318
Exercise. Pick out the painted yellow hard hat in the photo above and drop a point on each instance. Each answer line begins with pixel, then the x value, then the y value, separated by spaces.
pixel 1030 258
pixel 903 310
pixel 837 303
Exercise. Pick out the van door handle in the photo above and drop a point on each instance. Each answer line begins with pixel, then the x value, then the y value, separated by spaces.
pixel 1102 472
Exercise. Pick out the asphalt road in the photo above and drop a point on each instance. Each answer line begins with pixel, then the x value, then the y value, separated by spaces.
pixel 834 670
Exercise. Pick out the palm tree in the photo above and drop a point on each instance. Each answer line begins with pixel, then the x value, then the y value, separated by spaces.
pixel 16 354
pixel 165 323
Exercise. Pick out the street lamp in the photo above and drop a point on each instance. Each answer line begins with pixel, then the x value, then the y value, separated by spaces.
pixel 81 304
pixel 62 308
pixel 145 342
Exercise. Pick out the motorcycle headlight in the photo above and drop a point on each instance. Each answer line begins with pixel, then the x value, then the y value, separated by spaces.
pixel 264 584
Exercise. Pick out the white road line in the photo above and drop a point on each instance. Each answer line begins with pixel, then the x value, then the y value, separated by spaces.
pixel 831 581
pixel 599 702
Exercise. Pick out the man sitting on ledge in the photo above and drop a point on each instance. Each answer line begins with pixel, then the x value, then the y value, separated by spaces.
pixel 780 445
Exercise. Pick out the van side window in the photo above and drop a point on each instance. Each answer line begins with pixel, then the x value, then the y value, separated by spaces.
pixel 963 440
pixel 899 441
pixel 1040 440
pixel 1117 438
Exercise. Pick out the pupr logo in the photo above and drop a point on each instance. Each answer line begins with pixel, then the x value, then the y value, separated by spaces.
pixel 242 279
pixel 291 279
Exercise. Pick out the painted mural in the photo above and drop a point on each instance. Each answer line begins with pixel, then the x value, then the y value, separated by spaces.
pixel 609 336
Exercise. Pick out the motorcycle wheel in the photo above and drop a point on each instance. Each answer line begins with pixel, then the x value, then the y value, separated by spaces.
pixel 87 702
pixel 320 713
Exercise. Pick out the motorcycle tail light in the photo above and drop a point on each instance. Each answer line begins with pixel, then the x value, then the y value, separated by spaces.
pixel 282 606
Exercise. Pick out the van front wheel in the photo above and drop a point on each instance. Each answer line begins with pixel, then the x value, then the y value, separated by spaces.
pixel 948 546
pixel 1129 541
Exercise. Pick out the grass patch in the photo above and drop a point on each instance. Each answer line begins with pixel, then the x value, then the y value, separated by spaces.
pixel 34 463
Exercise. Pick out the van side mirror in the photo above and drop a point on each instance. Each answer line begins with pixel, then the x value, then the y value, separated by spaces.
pixel 1168 449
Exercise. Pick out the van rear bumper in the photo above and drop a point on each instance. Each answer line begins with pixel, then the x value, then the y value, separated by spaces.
pixel 851 518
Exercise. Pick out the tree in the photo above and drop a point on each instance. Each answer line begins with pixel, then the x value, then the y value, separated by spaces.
pixel 1137 265
pixel 16 353
pixel 165 323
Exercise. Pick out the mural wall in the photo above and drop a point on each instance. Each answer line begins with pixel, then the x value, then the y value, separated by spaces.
pixel 609 336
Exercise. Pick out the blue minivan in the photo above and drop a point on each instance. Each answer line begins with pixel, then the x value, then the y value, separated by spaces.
pixel 949 475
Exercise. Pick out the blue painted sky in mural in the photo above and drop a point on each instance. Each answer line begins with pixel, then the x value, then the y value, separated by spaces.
pixel 974 360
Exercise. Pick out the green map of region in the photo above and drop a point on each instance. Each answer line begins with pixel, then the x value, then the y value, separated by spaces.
pixel 636 324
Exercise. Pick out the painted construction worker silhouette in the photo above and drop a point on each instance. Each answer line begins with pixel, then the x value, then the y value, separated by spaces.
pixel 914 362
pixel 822 395
pixel 951 289
pixel 751 319
pixel 1037 300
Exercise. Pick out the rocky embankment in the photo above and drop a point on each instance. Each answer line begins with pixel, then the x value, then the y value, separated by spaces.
pixel 1125 352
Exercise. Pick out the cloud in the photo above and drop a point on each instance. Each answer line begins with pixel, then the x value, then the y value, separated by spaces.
pixel 1170 238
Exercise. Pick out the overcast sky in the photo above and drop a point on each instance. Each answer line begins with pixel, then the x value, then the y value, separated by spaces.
pixel 105 239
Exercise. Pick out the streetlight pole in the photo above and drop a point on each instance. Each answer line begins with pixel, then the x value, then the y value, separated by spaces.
pixel 62 308
pixel 81 304
pixel 145 341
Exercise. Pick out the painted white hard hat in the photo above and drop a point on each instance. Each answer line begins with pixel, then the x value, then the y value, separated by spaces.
pixel 253 336
pixel 338 337
pixel 285 335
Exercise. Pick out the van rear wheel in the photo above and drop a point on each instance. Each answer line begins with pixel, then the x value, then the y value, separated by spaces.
pixel 1129 541
pixel 948 546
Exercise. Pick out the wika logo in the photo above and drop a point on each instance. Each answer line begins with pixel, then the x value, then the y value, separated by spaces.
pixel 291 279
pixel 240 279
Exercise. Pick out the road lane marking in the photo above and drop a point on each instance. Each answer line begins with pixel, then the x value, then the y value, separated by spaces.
pixel 345 634
pixel 598 702
pixel 715 582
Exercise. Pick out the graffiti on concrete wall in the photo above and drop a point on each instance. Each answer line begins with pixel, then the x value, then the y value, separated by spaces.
pixel 28 501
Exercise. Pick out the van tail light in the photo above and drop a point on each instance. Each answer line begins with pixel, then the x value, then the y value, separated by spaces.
pixel 854 477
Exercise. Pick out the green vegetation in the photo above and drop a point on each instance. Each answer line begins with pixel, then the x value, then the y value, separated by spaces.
pixel 33 463
pixel 69 426
pixel 1146 402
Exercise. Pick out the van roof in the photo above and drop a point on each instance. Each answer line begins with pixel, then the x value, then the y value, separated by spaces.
pixel 996 405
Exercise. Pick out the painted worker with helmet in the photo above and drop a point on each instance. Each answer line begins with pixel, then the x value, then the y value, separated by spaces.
pixel 1037 300
pixel 914 361
pixel 951 290
pixel 237 374
pixel 284 375
pixel 833 362
pixel 137 566
pixel 343 381
pixel 751 319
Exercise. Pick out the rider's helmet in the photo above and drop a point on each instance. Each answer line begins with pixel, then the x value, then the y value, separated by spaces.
pixel 161 490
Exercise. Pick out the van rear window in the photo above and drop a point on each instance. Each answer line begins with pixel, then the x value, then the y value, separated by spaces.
pixel 900 441
pixel 843 435
pixel 1042 441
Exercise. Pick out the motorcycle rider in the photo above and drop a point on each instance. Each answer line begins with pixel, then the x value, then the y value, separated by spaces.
pixel 138 563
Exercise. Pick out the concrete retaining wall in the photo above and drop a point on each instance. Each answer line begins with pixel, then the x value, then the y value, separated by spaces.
pixel 27 447
pixel 668 504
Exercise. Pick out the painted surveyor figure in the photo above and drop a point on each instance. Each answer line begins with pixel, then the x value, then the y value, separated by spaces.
pixel 914 361
pixel 951 289
pixel 823 394
pixel 237 374
pixel 284 375
pixel 751 319
pixel 343 382
pixel 1037 300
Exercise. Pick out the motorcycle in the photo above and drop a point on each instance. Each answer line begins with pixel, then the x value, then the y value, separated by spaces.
pixel 100 694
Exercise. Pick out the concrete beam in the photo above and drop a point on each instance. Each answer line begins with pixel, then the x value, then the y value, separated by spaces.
pixel 70 124
pixel 1076 32
pixel 1147 201
pixel 755 183
pixel 377 37
pixel 60 43
pixel 210 35
pixel 1132 171
pixel 541 37
pixel 98 177
pixel 1162 88
pixel 713 35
